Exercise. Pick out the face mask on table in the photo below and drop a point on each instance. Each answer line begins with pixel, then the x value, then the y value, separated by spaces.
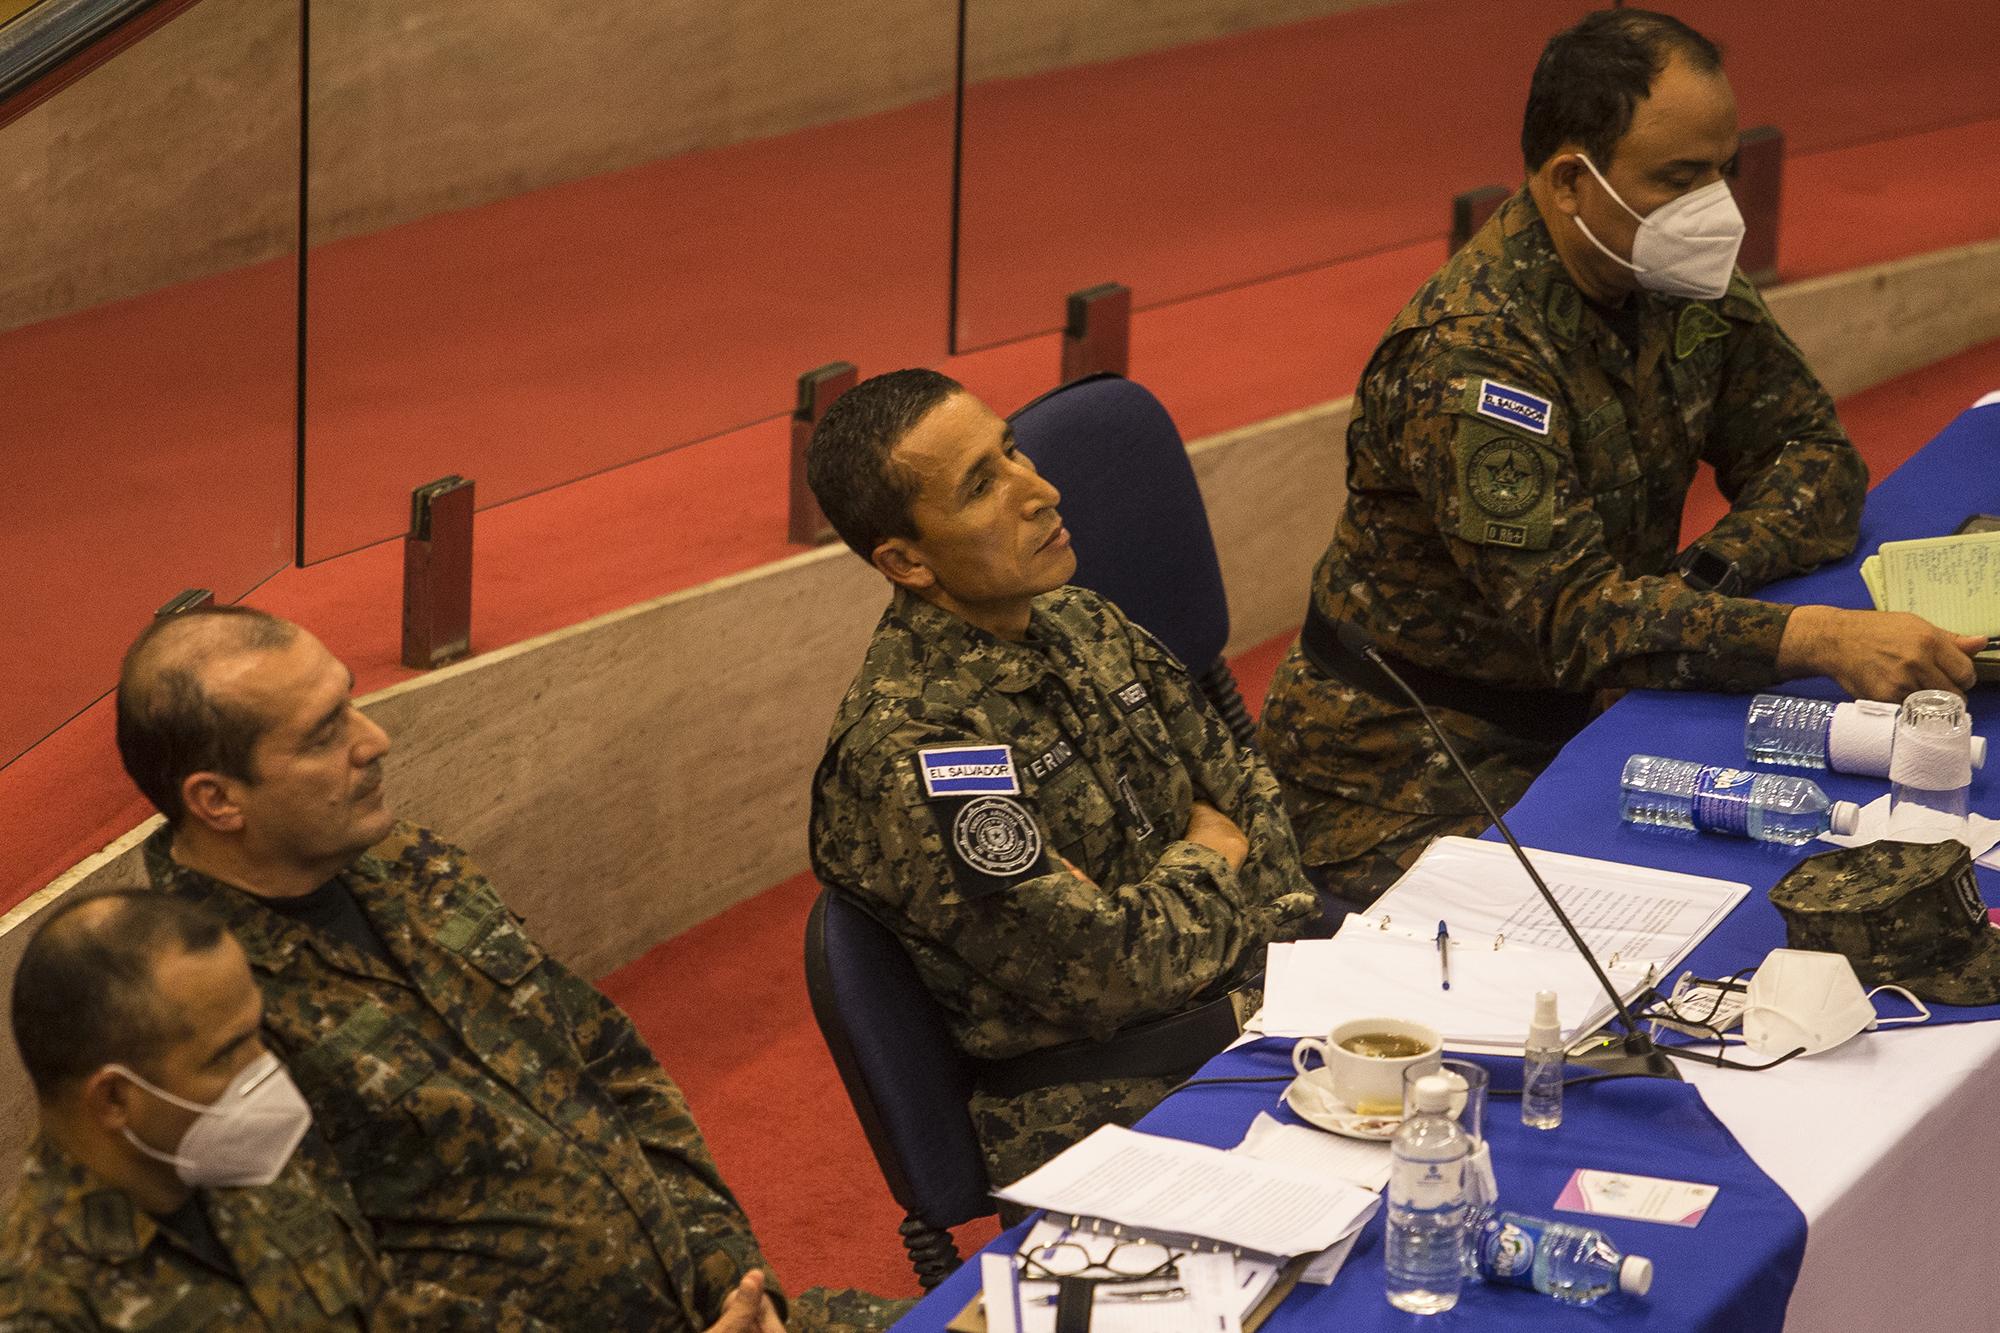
pixel 1685 247
pixel 1802 998
pixel 244 1137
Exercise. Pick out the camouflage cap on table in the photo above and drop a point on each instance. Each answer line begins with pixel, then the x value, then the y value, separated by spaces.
pixel 1904 913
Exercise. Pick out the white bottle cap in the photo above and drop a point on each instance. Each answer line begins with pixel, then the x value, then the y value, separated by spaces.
pixel 1844 818
pixel 1545 1031
pixel 1434 1093
pixel 1635 1275
pixel 1979 752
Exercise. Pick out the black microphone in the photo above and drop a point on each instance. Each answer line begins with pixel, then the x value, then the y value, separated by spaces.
pixel 1637 1053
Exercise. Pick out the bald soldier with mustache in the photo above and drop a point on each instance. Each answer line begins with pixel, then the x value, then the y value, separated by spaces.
pixel 507 1134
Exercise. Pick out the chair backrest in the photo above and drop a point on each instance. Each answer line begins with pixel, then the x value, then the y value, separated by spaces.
pixel 1133 509
pixel 909 1082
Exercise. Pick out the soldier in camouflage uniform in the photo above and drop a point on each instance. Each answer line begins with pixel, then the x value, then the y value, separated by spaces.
pixel 507 1133
pixel 104 1234
pixel 1028 789
pixel 1522 444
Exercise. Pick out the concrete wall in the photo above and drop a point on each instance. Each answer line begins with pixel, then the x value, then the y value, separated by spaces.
pixel 178 158
pixel 625 778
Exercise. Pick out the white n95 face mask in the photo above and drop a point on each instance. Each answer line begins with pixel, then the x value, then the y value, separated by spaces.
pixel 1686 246
pixel 243 1137
pixel 1800 998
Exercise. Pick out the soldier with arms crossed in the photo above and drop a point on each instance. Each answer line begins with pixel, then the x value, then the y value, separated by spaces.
pixel 506 1132
pixel 1029 790
pixel 1522 444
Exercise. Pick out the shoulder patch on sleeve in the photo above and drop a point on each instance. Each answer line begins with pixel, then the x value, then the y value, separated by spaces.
pixel 968 770
pixel 1513 407
pixel 992 842
pixel 1698 323
pixel 1506 489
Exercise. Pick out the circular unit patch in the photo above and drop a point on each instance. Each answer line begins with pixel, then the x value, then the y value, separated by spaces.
pixel 996 836
pixel 1506 477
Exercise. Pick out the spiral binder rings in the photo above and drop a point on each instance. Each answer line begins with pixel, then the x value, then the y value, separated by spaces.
pixel 1505 945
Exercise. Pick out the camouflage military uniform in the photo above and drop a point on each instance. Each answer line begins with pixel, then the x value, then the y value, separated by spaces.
pixel 1108 743
pixel 78 1255
pixel 1516 474
pixel 505 1129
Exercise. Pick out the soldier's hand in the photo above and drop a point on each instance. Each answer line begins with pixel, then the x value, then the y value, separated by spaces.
pixel 1876 654
pixel 748 1310
pixel 1217 832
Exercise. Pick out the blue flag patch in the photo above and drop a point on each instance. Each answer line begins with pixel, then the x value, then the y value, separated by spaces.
pixel 1515 407
pixel 968 770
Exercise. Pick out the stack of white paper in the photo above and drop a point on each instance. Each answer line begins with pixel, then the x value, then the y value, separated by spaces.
pixel 1237 1218
pixel 1505 945
pixel 1362 1163
pixel 1189 1193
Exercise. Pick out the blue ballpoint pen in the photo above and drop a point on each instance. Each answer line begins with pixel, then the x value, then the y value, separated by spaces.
pixel 1444 957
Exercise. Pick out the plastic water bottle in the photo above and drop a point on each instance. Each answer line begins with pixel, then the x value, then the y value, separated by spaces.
pixel 1770 807
pixel 1785 729
pixel 1542 1067
pixel 1854 737
pixel 1577 1265
pixel 1424 1257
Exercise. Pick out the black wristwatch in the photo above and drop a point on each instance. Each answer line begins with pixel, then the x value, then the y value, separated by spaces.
pixel 1705 571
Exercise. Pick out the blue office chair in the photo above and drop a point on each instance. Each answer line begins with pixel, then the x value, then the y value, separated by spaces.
pixel 1137 522
pixel 909 1083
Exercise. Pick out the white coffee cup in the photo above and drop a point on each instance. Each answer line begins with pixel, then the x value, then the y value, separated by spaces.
pixel 1370 1084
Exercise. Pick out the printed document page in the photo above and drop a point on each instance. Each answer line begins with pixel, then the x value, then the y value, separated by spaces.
pixel 1505 945
pixel 1628 915
pixel 1169 1189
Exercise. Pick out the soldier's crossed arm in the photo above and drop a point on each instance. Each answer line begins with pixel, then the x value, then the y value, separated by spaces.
pixel 973 872
pixel 1231 777
pixel 1492 449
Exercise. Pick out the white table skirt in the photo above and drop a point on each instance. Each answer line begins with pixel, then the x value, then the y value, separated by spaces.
pixel 1887 1147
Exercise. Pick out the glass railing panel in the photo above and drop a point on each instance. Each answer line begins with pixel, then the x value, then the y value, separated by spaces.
pixel 548 239
pixel 148 328
pixel 1224 142
pixel 1833 73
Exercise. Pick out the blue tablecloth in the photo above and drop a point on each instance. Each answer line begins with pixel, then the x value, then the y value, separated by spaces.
pixel 1736 1270
pixel 1733 1272
pixel 1573 806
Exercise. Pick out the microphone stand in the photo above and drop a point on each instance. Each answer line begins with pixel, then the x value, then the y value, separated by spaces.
pixel 1635 1053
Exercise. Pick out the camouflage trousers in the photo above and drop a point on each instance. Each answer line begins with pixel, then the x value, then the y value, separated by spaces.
pixel 839 1310
pixel 1019 1133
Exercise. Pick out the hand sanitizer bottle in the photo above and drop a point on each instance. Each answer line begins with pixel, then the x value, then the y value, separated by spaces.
pixel 1542 1070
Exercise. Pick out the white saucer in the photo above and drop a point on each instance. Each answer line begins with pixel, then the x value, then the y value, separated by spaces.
pixel 1314 1102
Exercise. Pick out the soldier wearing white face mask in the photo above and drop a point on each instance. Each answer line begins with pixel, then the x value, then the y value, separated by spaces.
pixel 1522 445
pixel 168 1187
